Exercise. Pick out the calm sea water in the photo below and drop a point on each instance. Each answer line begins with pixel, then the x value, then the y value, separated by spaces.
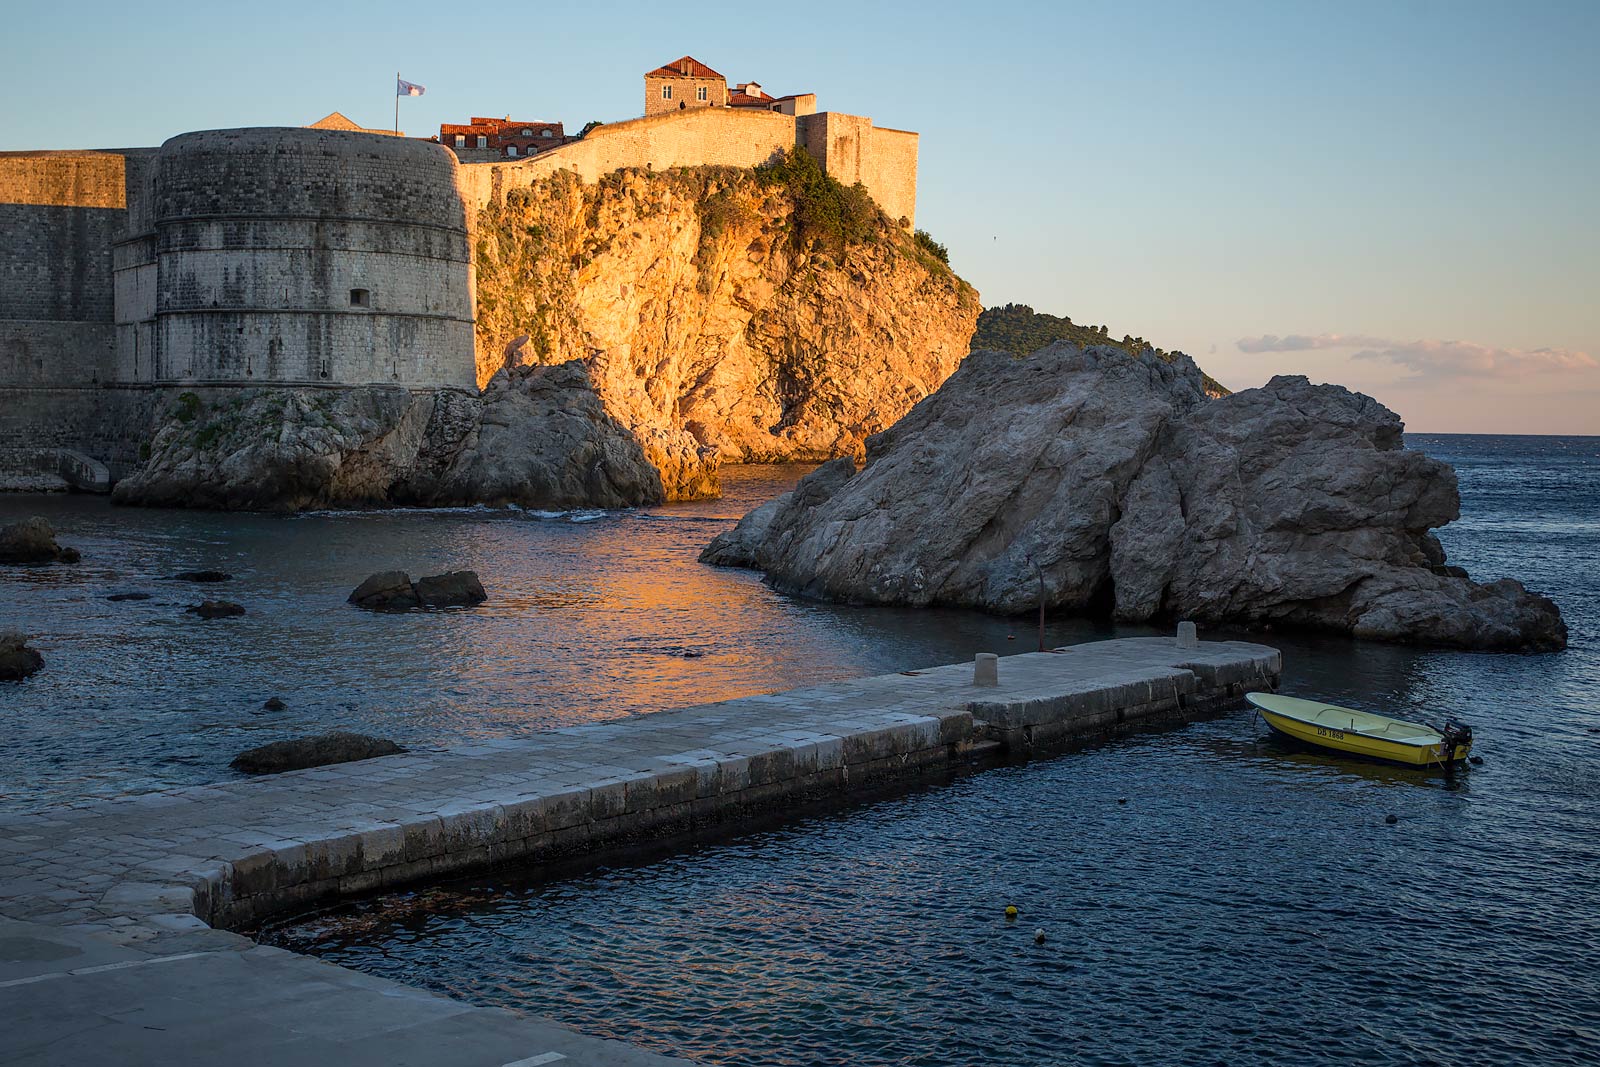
pixel 1246 904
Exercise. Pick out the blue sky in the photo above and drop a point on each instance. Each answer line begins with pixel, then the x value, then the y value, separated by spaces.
pixel 1396 196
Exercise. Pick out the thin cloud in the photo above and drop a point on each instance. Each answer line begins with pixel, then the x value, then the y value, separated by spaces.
pixel 1299 342
pixel 1433 358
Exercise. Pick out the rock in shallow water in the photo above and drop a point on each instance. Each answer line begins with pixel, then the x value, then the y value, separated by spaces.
pixel 33 541
pixel 395 591
pixel 321 750
pixel 17 660
pixel 1135 495
pixel 216 609
pixel 201 576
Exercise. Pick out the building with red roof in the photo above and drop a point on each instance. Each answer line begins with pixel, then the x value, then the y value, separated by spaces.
pixel 485 140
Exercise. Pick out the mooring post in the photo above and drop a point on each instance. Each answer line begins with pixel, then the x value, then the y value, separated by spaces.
pixel 1040 572
pixel 1188 636
pixel 986 669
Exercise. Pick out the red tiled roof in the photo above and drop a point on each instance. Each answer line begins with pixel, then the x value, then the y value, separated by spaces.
pixel 746 100
pixel 675 69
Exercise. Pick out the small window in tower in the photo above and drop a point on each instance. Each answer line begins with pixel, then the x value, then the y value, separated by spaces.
pixel 360 298
pixel 666 92
pixel 700 93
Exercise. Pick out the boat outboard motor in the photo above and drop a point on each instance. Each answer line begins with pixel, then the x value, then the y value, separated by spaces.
pixel 1454 735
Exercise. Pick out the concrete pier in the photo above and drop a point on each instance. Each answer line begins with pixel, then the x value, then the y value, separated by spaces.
pixel 152 883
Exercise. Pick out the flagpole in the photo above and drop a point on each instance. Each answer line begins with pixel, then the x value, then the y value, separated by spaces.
pixel 397 103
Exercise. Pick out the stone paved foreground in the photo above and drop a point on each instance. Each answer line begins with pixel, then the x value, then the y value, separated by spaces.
pixel 111 905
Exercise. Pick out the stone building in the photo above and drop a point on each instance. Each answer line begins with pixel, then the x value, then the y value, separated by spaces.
pixel 682 84
pixel 484 140
pixel 687 83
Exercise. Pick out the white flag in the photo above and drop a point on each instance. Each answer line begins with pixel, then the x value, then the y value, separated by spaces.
pixel 405 88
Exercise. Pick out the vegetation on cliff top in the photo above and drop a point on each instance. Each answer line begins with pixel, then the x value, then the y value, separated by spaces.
pixel 1019 329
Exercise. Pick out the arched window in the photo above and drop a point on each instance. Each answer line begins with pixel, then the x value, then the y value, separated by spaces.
pixel 547 133
pixel 527 133
pixel 511 149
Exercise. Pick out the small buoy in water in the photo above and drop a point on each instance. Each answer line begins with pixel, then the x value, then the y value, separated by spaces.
pixel 1476 761
pixel 274 704
pixel 1122 800
pixel 1038 936
pixel 1011 912
pixel 1011 637
pixel 1391 819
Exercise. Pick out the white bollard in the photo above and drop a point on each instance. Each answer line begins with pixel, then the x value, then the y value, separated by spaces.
pixel 986 669
pixel 1188 636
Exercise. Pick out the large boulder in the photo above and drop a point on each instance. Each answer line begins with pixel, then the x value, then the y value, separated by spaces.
pixel 458 589
pixel 386 591
pixel 17 660
pixel 33 541
pixel 1115 482
pixel 395 591
pixel 302 752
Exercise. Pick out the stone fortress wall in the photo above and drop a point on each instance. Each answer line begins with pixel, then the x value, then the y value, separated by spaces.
pixel 849 147
pixel 259 256
pixel 307 257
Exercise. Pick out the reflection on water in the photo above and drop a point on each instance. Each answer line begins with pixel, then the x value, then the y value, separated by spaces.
pixel 1208 895
pixel 592 615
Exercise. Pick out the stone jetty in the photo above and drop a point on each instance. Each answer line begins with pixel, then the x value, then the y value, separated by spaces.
pixel 115 915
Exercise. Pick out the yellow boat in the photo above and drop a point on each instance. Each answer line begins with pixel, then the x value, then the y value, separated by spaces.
pixel 1362 733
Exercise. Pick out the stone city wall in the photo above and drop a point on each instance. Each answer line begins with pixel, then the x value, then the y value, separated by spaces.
pixel 849 147
pixel 853 150
pixel 697 138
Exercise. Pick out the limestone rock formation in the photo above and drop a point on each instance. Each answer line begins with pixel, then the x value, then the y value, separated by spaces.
pixel 395 591
pixel 538 437
pixel 33 541
pixel 319 751
pixel 773 315
pixel 17 660
pixel 1115 481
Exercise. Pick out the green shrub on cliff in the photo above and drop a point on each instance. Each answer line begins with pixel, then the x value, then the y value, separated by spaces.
pixel 188 407
pixel 938 251
pixel 828 215
pixel 1019 329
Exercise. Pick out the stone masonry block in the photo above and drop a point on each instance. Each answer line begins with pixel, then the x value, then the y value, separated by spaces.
pixel 383 847
pixel 422 837
pixel 470 828
pixel 677 786
pixel 767 768
pixel 608 799
pixel 565 809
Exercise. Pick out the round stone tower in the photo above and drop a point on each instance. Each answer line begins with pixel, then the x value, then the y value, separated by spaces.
pixel 310 257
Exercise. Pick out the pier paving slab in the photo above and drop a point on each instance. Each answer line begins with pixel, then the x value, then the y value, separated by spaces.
pixel 105 950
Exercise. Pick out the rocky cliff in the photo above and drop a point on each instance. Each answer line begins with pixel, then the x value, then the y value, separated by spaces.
pixel 1115 482
pixel 632 335
pixel 771 314
pixel 538 436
